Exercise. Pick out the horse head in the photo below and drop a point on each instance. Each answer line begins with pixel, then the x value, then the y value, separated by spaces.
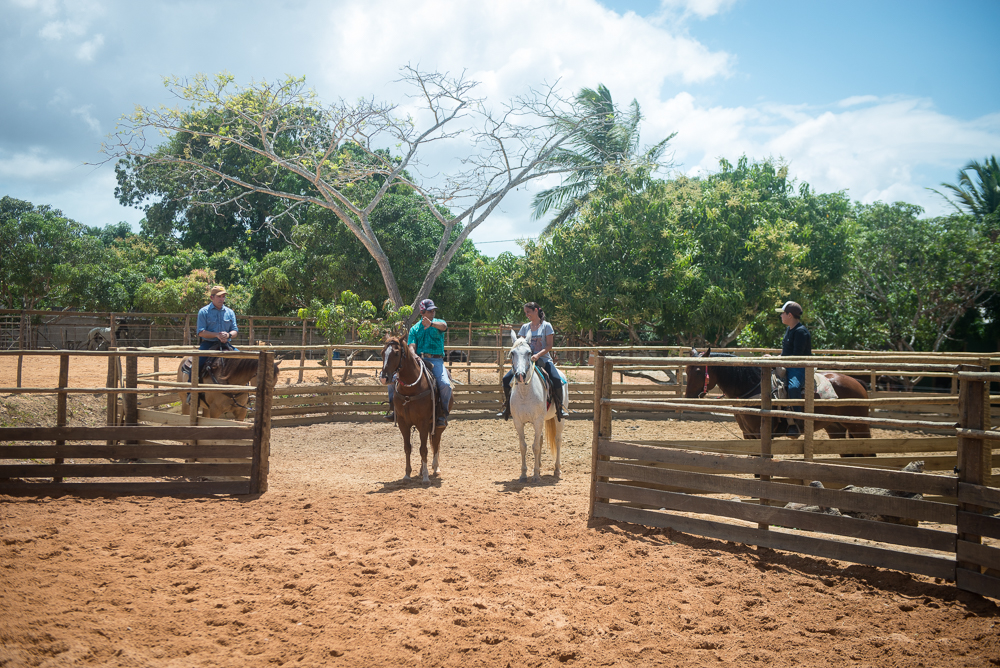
pixel 520 356
pixel 699 378
pixel 393 353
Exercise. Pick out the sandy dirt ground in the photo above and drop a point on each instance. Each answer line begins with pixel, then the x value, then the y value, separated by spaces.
pixel 342 563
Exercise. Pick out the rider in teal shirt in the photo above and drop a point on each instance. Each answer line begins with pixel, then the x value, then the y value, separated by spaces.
pixel 426 340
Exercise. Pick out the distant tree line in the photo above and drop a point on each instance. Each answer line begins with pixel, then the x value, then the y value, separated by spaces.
pixel 680 260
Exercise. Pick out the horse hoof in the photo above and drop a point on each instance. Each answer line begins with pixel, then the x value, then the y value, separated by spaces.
pixel 523 478
pixel 557 475
pixel 406 478
pixel 426 479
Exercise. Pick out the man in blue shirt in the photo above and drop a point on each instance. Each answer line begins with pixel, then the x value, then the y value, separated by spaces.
pixel 797 342
pixel 216 325
pixel 426 340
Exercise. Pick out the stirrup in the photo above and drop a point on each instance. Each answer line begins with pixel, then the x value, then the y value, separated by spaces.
pixel 390 416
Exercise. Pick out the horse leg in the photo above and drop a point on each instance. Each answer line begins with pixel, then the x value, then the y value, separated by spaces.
pixel 749 425
pixel 536 449
pixel 423 455
pixel 553 432
pixel 436 448
pixel 519 426
pixel 407 447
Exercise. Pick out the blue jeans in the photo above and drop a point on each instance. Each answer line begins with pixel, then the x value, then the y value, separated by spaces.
pixel 796 383
pixel 443 383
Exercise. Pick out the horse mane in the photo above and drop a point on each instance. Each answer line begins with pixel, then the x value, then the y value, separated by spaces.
pixel 741 376
pixel 236 368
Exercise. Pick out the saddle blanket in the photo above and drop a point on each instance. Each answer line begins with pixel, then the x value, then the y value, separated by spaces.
pixel 824 388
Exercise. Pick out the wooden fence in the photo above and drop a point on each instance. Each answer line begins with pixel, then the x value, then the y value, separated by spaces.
pixel 943 523
pixel 194 456
pixel 341 399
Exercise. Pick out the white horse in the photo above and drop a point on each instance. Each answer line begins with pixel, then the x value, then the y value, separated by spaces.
pixel 99 338
pixel 529 404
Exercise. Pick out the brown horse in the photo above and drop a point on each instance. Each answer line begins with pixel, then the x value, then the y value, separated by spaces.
pixel 413 401
pixel 744 383
pixel 221 371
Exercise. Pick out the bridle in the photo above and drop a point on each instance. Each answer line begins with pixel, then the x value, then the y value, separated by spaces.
pixel 531 370
pixel 399 365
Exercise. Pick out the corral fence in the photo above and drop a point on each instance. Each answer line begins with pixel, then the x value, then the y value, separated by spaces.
pixel 942 522
pixel 131 453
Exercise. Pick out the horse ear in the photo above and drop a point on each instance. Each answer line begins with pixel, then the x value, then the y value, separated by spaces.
pixel 527 338
pixel 513 337
pixel 707 353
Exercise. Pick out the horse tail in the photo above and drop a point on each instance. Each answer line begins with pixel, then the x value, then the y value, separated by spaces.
pixel 550 435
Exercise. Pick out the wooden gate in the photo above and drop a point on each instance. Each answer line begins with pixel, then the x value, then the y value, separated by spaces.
pixel 757 491
pixel 133 458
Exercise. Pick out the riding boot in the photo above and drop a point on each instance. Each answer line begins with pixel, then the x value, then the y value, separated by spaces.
pixel 505 413
pixel 558 397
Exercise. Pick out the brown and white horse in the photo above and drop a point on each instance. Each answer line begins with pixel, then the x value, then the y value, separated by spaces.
pixel 744 383
pixel 413 402
pixel 222 371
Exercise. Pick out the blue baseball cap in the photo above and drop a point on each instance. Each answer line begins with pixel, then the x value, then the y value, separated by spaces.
pixel 428 305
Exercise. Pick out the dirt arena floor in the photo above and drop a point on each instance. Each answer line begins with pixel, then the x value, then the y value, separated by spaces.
pixel 342 563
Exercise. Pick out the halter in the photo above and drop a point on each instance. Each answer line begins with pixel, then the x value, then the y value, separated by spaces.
pixel 399 365
pixel 531 371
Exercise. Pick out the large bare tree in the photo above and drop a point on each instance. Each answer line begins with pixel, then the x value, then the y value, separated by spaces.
pixel 346 156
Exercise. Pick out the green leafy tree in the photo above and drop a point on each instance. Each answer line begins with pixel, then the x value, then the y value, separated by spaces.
pixel 978 192
pixel 498 288
pixel 40 248
pixel 290 138
pixel 606 139
pixel 912 280
pixel 615 264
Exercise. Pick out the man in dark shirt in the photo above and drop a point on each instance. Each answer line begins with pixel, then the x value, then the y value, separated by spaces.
pixel 797 342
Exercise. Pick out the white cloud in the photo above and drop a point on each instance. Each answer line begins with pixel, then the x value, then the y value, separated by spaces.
pixel 510 45
pixel 84 113
pixel 700 8
pixel 34 164
pixel 856 100
pixel 56 30
pixel 882 151
pixel 88 49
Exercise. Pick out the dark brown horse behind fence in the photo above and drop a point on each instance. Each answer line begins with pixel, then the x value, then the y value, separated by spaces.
pixel 413 401
pixel 738 382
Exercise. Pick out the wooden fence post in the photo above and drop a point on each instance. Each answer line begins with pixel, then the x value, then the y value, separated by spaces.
pixel 765 428
pixel 20 346
pixel 61 404
pixel 187 330
pixel 131 399
pixel 598 420
pixel 809 394
pixel 252 341
pixel 302 353
pixel 260 466
pixel 974 458
pixel 110 383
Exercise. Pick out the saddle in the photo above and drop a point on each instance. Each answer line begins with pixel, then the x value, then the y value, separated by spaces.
pixel 550 387
pixel 779 378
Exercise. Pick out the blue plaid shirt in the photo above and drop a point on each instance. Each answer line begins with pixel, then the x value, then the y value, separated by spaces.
pixel 211 319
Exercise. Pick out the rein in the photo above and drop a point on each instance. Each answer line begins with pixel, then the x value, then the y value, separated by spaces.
pixel 420 373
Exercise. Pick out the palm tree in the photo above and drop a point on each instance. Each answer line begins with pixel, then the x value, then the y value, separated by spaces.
pixel 980 199
pixel 605 136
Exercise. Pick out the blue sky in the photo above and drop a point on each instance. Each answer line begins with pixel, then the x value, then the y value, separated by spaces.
pixel 880 99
